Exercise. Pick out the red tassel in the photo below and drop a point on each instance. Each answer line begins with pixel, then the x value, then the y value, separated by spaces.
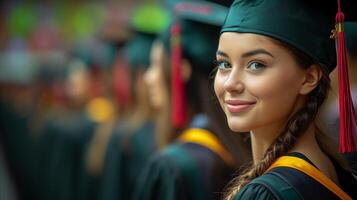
pixel 178 101
pixel 347 113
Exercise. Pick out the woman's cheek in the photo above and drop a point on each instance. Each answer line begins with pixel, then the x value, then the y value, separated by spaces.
pixel 219 87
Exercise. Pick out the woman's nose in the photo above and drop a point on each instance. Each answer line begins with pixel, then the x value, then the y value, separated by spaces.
pixel 234 83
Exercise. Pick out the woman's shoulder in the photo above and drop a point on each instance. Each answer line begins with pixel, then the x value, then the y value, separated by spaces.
pixel 171 174
pixel 189 155
pixel 268 186
pixel 285 182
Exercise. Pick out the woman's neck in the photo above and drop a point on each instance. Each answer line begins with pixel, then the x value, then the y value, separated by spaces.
pixel 264 137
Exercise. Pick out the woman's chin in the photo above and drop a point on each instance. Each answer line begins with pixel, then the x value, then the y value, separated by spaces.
pixel 238 128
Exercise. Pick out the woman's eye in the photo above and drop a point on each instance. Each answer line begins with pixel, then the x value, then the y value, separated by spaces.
pixel 222 65
pixel 255 66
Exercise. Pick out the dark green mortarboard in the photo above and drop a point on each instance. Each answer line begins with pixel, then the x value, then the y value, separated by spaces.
pixel 302 24
pixel 147 21
pixel 138 50
pixel 200 23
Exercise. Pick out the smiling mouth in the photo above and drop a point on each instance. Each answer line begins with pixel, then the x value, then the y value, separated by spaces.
pixel 236 106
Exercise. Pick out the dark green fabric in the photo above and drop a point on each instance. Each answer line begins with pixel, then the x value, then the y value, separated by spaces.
pixel 151 186
pixel 146 21
pixel 20 151
pixel 289 183
pixel 300 23
pixel 138 147
pixel 183 171
pixel 138 50
pixel 205 12
pixel 161 179
pixel 112 185
pixel 278 189
pixel 126 155
pixel 190 171
pixel 7 187
pixel 65 144
pixel 170 4
pixel 200 23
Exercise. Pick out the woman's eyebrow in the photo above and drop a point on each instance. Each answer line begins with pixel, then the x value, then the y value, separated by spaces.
pixel 247 54
pixel 221 53
pixel 255 52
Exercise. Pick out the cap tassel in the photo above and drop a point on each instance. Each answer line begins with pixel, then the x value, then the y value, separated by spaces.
pixel 177 84
pixel 347 113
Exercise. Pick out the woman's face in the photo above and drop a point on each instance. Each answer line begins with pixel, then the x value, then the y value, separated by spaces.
pixel 155 78
pixel 257 82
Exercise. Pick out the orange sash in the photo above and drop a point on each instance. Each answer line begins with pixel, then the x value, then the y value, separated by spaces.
pixel 310 170
pixel 208 140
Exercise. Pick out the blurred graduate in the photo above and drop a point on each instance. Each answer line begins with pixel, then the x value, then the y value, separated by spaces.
pixel 133 139
pixel 195 160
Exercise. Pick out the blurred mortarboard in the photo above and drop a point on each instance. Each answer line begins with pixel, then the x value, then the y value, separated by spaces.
pixel 147 21
pixel 138 50
pixel 193 35
pixel 95 53
pixel 306 26
pixel 199 22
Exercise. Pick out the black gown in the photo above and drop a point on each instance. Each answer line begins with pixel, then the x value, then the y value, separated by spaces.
pixel 186 169
pixel 305 186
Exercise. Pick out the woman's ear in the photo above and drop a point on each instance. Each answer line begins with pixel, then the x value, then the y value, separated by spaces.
pixel 186 70
pixel 311 80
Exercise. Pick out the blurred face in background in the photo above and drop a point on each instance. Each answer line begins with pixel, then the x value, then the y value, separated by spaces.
pixel 141 89
pixel 155 78
pixel 78 84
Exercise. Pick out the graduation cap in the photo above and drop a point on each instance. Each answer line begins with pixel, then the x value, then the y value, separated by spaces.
pixel 138 50
pixel 305 25
pixel 147 21
pixel 194 35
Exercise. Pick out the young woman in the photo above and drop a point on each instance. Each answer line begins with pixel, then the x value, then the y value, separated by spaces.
pixel 272 78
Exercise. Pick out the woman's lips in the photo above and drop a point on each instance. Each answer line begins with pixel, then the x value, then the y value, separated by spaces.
pixel 236 106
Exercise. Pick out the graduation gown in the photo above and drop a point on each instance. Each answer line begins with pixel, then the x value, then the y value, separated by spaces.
pixel 303 185
pixel 126 154
pixel 7 187
pixel 192 168
pixel 63 147
pixel 111 186
pixel 19 151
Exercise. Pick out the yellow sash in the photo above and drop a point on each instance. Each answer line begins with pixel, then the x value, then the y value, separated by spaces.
pixel 208 140
pixel 310 170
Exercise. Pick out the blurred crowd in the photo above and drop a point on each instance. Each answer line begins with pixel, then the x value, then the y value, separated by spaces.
pixel 66 94
pixel 77 118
